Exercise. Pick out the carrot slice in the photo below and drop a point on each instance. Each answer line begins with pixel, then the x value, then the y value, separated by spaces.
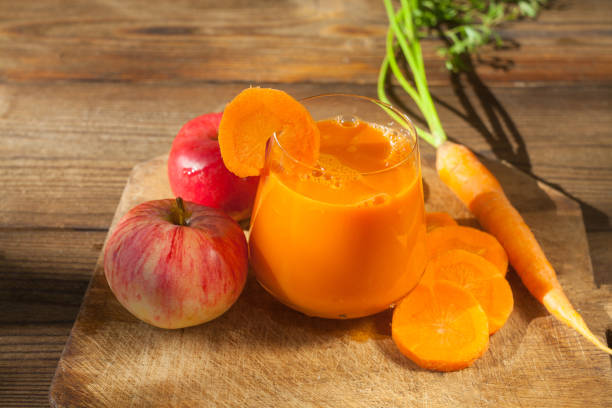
pixel 443 239
pixel 479 277
pixel 434 220
pixel 252 118
pixel 440 327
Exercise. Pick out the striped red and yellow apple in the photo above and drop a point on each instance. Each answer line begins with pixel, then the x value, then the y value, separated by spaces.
pixel 175 264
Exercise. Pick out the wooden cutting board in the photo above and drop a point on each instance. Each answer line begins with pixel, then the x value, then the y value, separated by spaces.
pixel 263 354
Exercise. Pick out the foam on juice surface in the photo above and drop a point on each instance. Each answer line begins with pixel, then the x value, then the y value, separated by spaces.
pixel 362 146
pixel 332 173
pixel 354 162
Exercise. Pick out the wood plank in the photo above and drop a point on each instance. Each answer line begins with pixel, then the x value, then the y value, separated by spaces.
pixel 242 358
pixel 43 276
pixel 54 179
pixel 66 149
pixel 47 254
pixel 600 243
pixel 28 357
pixel 331 41
pixel 33 330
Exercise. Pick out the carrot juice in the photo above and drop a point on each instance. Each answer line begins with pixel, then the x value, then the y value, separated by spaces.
pixel 345 238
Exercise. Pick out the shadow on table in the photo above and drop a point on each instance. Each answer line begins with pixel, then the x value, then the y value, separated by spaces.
pixel 504 134
pixel 499 129
pixel 481 110
pixel 36 300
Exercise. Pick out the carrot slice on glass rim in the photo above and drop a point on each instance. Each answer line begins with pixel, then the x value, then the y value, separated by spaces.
pixel 253 117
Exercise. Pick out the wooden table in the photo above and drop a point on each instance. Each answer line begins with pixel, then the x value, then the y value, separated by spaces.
pixel 90 88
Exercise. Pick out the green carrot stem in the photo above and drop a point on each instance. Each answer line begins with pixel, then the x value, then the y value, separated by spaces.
pixel 411 49
pixel 398 73
pixel 382 95
pixel 433 120
pixel 401 39
pixel 407 12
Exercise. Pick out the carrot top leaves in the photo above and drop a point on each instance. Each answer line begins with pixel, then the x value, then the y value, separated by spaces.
pixel 464 25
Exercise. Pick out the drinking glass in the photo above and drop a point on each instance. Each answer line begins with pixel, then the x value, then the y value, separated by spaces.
pixel 341 239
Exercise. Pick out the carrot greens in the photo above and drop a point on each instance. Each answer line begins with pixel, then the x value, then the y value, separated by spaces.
pixel 464 25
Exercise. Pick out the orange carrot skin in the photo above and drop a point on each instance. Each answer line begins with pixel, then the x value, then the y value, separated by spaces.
pixel 470 180
pixel 482 193
pixel 497 215
pixel 460 170
pixel 474 184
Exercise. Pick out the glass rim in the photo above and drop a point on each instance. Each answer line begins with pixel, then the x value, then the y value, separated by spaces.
pixel 381 104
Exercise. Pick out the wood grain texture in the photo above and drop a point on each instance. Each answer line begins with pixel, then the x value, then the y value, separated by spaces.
pixel 261 353
pixel 90 88
pixel 79 147
pixel 66 150
pixel 43 275
pixel 278 41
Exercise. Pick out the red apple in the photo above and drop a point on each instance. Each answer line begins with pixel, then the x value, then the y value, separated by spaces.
pixel 197 173
pixel 175 264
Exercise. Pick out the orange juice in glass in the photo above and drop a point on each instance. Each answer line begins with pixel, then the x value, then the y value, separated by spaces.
pixel 344 238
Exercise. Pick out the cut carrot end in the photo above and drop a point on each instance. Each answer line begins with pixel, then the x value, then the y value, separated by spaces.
pixel 559 306
pixel 253 117
pixel 440 327
pixel 443 239
pixel 479 277
pixel 435 220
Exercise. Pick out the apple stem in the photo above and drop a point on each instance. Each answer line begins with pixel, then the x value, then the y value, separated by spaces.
pixel 181 212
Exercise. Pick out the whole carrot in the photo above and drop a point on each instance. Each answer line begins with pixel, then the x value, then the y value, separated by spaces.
pixel 474 184
pixel 457 165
